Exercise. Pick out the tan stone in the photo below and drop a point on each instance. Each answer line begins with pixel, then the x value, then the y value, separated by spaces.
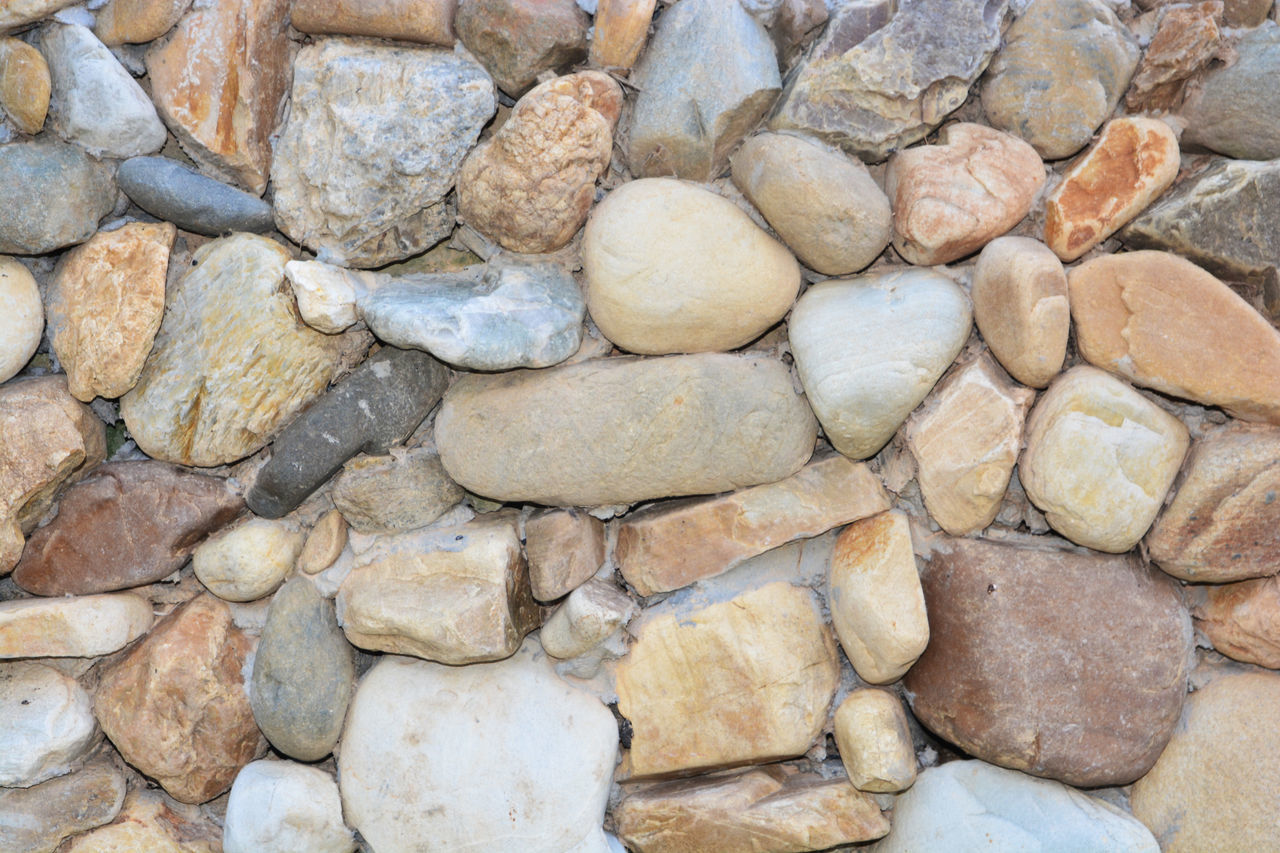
pixel 965 440
pixel 24 84
pixel 105 306
pixel 743 681
pixel 590 614
pixel 621 29
pixel 219 84
pixel 38 818
pixel 564 547
pixel 422 21
pixel 247 562
pixel 1186 40
pixel 875 742
pixel 1242 620
pixel 399 491
pixel 1134 160
pixel 1162 322
pixel 137 21
pixel 324 543
pixel 667 546
pixel 152 822
pixel 951 198
pixel 15 13
pixel 758 810
pixel 21 317
pixel 83 626
pixel 1020 305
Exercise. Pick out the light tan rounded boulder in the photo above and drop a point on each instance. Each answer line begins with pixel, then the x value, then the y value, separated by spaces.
pixel 25 85
pixel 1020 305
pixel 21 317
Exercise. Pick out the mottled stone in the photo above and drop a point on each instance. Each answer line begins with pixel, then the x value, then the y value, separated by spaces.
pixel 84 626
pixel 24 84
pixel 620 30
pixel 282 807
pixel 37 819
pixel 75 192
pixel 1186 40
pixel 422 21
pixel 48 724
pixel 16 13
pixel 137 21
pixel 874 740
pixel 1019 294
pixel 1228 112
pixel 407 489
pixel 1242 620
pixel 795 24
pixel 590 614
pixel 564 547
pixel 247 562
pixel 21 317
pixel 515 40
pixel 174 192
pixel 153 822
pixel 324 544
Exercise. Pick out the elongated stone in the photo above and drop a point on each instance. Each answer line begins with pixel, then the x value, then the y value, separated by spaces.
pixel 37 819
pixel 84 626
pixel 621 28
pixel 137 21
pixel 176 193
pixel 425 21
pixel 25 86
pixel 21 317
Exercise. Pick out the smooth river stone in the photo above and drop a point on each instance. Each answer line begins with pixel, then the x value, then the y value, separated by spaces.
pixel 423 21
pixel 869 349
pixel 82 626
pixel 137 21
pixel 37 819
pixel 75 190
pixel 1019 294
pixel 249 561
pixel 874 740
pixel 21 317
pixel 622 430
pixel 589 615
pixel 1242 620
pixel 283 807
pixel 48 724
pixel 620 30
pixel 174 192
pixel 672 267
pixel 564 548
pixel 24 84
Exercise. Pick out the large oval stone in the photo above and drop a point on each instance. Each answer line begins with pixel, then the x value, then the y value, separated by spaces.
pixel 75 192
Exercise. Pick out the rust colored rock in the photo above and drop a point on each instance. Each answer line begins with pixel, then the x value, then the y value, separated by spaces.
pixel 1242 620
pixel 422 21
pixel 564 547
pixel 24 84
pixel 176 706
pixel 516 39
pixel 621 29
pixel 137 21
pixel 130 524
pixel 1062 664
pixel 1185 42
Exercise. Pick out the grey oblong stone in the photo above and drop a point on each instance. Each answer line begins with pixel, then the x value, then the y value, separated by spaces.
pixel 56 194
pixel 176 193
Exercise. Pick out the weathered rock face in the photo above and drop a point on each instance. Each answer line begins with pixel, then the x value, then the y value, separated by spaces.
pixel 875 741
pixel 404 490
pixel 1020 304
pixel 49 724
pixel 1242 620
pixel 375 192
pixel 85 626
pixel 685 425
pixel 872 90
pixel 151 821
pixel 1066 665
pixel 176 707
pixel 1229 112
pixel 19 12
pixel 76 189
pixel 589 615
pixel 424 21
pixel 795 24
pixel 564 547
pixel 517 39
pixel 21 317
pixel 279 806
pixel 176 193
pixel 24 84
pixel 1186 40
pixel 135 21
pixel 231 364
pixel 38 818
pixel 620 30
pixel 247 562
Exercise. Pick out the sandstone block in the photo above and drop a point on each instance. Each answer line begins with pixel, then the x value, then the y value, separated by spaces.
pixel 564 547
pixel 517 39
pixel 176 193
pixel 280 806
pixel 621 28
pixel 1020 304
pixel 875 742
pixel 153 822
pixel 21 317
pixel 1242 620
pixel 590 614
pixel 137 21
pixel 247 562
pixel 76 191
pixel 85 626
pixel 423 21
pixel 25 86
pixel 1229 112
pixel 37 819
pixel 1187 39
pixel 324 544
pixel 48 724
pixel 407 489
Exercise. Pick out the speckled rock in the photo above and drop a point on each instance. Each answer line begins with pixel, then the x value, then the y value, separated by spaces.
pixel 407 489
pixel 37 819
pixel 137 21
pixel 282 807
pixel 874 739
pixel 1019 293
pixel 24 84
pixel 1242 620
pixel 76 189
pixel 49 724
pixel 84 626
pixel 21 317
pixel 1229 112
pixel 423 21
pixel 247 562
pixel 174 192
pixel 517 39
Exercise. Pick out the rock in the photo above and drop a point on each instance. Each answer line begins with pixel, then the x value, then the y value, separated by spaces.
pixel 280 807
pixel 621 28
pixel 194 202
pixel 422 21
pixel 711 423
pixel 377 405
pixel 130 524
pixel 564 547
pixel 707 77
pixel 1020 304
pixel 877 606
pixel 1067 665
pixel 1246 13
pixel 1061 73
pixel 517 39
pixel 743 681
pixel 967 805
pixel 965 440
pixel 823 204
pixel 137 21
pixel 1186 41
pixel 175 706
pixel 874 88
pixel 1134 160
pixel 37 819
pixel 1242 620
pixel 874 739
pixel 530 185
pixel 1213 785
pixel 232 364
pixel 375 191
pixel 671 267
pixel 408 489
pixel 106 301
pixel 18 13
pixel 588 616
pixel 24 84
pixel 48 724
pixel 151 821
pixel 220 82
pixel 869 349
pixel 952 198
pixel 76 190
pixel 324 544
pixel 544 751
pixel 1223 523
pixel 796 24
pixel 95 102
pixel 21 317
pixel 1228 112
pixel 249 561
pixel 82 627
pixel 667 546
pixel 762 808
pixel 328 296
pixel 1100 459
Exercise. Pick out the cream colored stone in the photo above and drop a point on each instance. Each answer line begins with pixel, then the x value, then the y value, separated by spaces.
pixel 564 547
pixel 137 21
pixel 15 13
pixel 48 723
pixel 1020 305
pixel 249 561
pixel 328 296
pixel 590 614
pixel 83 626
pixel 621 29
pixel 877 605
pixel 875 742
pixel 21 317
pixel 324 543
pixel 25 85
pixel 1100 459
pixel 152 822
pixel 424 21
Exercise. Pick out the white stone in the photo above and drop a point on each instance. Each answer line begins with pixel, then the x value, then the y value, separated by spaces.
pixel 48 724
pixel 327 295
pixel 284 807
pixel 590 614
pixel 82 626
pixel 249 561
pixel 21 317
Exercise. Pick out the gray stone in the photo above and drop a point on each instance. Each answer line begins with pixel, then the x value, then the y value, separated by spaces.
pixel 36 819
pixel 379 404
pixel 174 192
pixel 1229 112
pixel 54 196
pixel 404 490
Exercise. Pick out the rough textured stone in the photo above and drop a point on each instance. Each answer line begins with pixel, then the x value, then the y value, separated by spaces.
pixel 176 707
pixel 324 544
pixel 1242 620
pixel 37 819
pixel 247 562
pixel 795 24
pixel 24 84
pixel 684 425
pixel 1187 39
pixel 361 173
pixel 137 21
pixel 423 21
pixel 1067 665
pixel 868 350
pixel 85 626
pixel 517 39
pixel 21 317
pixel 281 807
pixel 1020 304
pixel 106 301
pixel 590 614
pixel 16 13
pixel 231 364
pixel 824 204
pixel 151 821
pixel 48 724
pixel 1228 112
pixel 667 546
pixel 672 267
pixel 75 192
pixel 194 202
pixel 404 490
pixel 564 547
pixel 621 28
pixel 874 739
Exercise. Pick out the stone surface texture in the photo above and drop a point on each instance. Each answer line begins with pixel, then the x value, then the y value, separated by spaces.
pixel 1186 40
pixel 563 547
pixel 137 21
pixel 176 193
pixel 620 30
pixel 588 616
pixel 280 807
pixel 874 739
pixel 37 819
pixel 515 40
pixel 422 21
pixel 153 822
pixel 21 317
pixel 49 724
pixel 401 491
pixel 77 191
pixel 84 626
pixel 25 86
pixel 249 561
pixel 1229 112
pixel 1242 620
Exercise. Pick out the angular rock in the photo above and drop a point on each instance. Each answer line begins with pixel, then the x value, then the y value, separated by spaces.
pixel 1186 40
pixel 1134 160
pixel 137 21
pixel 16 13
pixel 220 82
pixel 711 423
pixel 707 77
pixel 249 561
pixel 1229 112
pixel 1067 665
pixel 869 349
pixel 48 724
pixel 176 193
pixel 1059 75
pixel 231 364
pixel 1246 13
pixel 24 84
pixel 153 822
pixel 106 301
pixel 1019 294
pixel 130 524
pixel 1242 620
pixel 175 706
pixel 422 21
pixel 743 681
pixel 371 189
pixel 667 546
pixel 517 39
pixel 408 489
pixel 81 627
pixel 75 191
pixel 21 317
pixel 280 807
pixel 564 547
pixel 795 24
pixel 824 204
pixel 874 739
pixel 324 544
pixel 37 819
pixel 620 30
pixel 590 614
pixel 329 296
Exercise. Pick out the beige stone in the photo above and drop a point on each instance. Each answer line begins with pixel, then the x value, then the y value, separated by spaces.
pixel 875 742
pixel 137 21
pixel 1100 459
pixel 667 546
pixel 952 198
pixel 15 13
pixel 152 822
pixel 590 614
pixel 399 491
pixel 564 547
pixel 248 562
pixel 324 543
pixel 1134 160
pixel 877 606
pixel 1242 620
pixel 621 29
pixel 743 681
pixel 105 306
pixel 25 85
pixel 37 819
pixel 84 626
pixel 1020 304
pixel 422 21
pixel 21 317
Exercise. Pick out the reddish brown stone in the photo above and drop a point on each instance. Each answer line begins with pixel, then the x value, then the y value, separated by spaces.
pixel 564 547
pixel 1242 620
pixel 1186 40
pixel 516 39
pixel 424 21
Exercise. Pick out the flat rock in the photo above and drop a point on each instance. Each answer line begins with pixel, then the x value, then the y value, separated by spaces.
pixel 1019 293
pixel 174 192
pixel 137 21
pixel 619 32
pixel 37 819
pixel 515 40
pixel 590 614
pixel 21 317
pixel 84 626
pixel 1186 40
pixel 20 12
pixel 683 425
pixel 247 562
pixel 76 191
pixel 1242 620
pixel 400 491
pixel 25 86
pixel 564 547
pixel 48 724
pixel 281 807
pixel 1229 112
pixel 874 740
pixel 422 21
pixel 1067 665
pixel 153 822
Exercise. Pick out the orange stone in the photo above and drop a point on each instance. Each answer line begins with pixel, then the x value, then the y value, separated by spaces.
pixel 621 29
pixel 422 21
pixel 1242 620
pixel 137 21
pixel 24 84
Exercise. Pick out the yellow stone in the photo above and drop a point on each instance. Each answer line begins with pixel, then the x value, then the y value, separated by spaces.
pixel 875 741
pixel 24 84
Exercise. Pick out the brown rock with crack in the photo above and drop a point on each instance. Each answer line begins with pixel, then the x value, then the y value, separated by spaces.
pixel 137 21
pixel 1187 39
pixel 517 39
pixel 1020 305
pixel 1242 620
pixel 25 85
pixel 564 548
pixel 422 21
pixel 621 29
